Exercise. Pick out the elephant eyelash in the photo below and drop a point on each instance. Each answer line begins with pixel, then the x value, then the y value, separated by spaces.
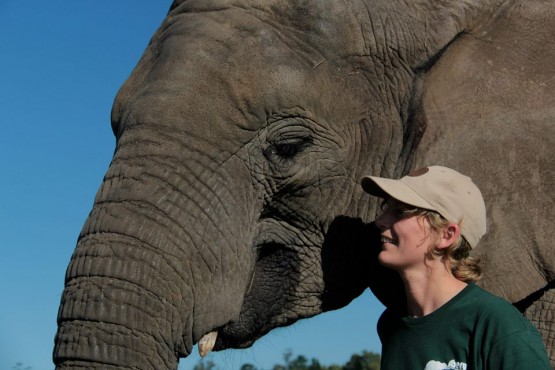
pixel 288 148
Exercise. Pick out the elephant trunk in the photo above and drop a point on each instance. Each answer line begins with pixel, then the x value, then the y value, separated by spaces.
pixel 128 300
pixel 116 308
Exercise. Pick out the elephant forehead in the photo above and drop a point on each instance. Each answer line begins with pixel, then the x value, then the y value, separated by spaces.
pixel 204 68
pixel 316 28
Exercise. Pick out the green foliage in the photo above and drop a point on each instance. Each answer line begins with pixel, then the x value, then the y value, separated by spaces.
pixel 363 361
pixel 248 367
pixel 20 366
pixel 204 364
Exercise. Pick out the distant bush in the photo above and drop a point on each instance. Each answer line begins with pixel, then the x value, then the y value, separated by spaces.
pixel 363 361
pixel 21 366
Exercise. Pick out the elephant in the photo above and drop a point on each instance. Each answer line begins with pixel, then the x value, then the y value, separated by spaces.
pixel 233 205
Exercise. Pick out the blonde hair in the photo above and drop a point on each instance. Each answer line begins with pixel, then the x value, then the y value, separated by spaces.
pixel 457 255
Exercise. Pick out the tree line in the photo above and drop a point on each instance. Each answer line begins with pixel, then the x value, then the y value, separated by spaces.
pixel 358 361
pixel 363 361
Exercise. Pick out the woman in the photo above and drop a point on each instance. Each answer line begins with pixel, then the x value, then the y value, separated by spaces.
pixel 431 220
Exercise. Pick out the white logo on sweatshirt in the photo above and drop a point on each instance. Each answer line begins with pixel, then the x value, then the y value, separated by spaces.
pixel 452 365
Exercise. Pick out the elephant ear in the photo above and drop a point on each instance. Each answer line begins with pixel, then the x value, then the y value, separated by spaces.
pixel 489 106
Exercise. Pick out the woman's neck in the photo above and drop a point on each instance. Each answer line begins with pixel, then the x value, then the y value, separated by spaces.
pixel 429 289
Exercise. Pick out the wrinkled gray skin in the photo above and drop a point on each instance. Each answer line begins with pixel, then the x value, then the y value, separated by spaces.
pixel 233 198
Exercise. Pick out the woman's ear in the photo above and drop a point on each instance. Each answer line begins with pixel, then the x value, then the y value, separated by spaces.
pixel 449 235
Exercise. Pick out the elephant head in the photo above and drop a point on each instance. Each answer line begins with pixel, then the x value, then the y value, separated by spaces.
pixel 232 203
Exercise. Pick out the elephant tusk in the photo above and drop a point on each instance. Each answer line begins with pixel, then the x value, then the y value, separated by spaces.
pixel 206 343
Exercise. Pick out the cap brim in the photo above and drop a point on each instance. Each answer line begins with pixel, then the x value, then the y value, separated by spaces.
pixel 384 188
pixel 372 188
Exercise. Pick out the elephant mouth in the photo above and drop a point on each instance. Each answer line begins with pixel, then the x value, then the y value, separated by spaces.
pixel 216 341
pixel 283 287
pixel 224 341
pixel 263 304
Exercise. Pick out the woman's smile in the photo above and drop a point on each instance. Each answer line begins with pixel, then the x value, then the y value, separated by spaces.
pixel 385 239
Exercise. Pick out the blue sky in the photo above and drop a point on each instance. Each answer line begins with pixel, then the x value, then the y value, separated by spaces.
pixel 61 66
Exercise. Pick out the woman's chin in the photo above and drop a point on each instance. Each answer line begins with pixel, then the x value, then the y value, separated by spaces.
pixel 383 260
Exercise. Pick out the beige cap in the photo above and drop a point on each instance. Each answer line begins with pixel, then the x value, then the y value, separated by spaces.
pixel 451 194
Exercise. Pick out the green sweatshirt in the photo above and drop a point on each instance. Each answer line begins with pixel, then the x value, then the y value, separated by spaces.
pixel 475 330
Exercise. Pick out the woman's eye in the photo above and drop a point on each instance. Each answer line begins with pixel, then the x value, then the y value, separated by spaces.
pixel 399 212
pixel 397 209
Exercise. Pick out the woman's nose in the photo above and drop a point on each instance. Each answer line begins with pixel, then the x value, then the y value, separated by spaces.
pixel 385 220
pixel 381 222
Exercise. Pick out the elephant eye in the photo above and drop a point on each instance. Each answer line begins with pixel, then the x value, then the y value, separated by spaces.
pixel 287 148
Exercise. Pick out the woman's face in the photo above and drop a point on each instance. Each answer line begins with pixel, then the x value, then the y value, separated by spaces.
pixel 405 240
